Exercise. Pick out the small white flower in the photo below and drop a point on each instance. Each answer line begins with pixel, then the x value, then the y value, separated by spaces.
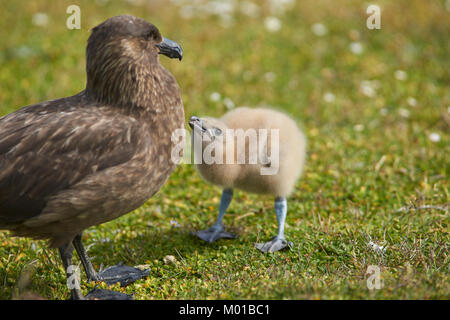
pixel 434 137
pixel 368 91
pixel 319 29
pixel 280 6
pixel 329 97
pixel 368 88
pixel 219 7
pixel 272 24
pixel 412 101
pixel 40 19
pixel 215 96
pixel 376 247
pixel 169 259
pixel 400 75
pixel 250 9
pixel 404 112
pixel 229 104
pixel 358 127
pixel 270 76
pixel 356 48
pixel 174 223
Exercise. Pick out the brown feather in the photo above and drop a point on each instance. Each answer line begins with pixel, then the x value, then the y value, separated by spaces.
pixel 79 161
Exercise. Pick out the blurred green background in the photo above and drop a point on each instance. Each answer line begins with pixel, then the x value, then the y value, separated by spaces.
pixel 374 105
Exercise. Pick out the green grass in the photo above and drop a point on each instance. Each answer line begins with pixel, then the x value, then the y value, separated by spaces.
pixel 366 157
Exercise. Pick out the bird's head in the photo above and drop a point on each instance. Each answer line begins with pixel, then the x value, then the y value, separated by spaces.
pixel 207 128
pixel 123 50
pixel 210 133
pixel 213 148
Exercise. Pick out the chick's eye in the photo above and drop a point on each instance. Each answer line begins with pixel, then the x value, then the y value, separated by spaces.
pixel 217 132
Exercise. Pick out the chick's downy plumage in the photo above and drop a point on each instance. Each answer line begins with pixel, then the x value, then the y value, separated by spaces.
pixel 289 146
pixel 278 150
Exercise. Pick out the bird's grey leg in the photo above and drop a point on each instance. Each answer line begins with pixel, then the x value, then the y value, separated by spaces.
pixel 281 211
pixel 217 231
pixel 225 200
pixel 90 271
pixel 279 242
pixel 66 253
pixel 116 274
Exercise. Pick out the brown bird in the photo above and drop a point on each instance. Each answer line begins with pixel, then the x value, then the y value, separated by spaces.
pixel 80 161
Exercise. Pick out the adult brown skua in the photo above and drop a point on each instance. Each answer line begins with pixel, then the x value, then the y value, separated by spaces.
pixel 80 161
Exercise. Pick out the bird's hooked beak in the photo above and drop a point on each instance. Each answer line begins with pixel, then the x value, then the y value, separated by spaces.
pixel 170 48
pixel 196 124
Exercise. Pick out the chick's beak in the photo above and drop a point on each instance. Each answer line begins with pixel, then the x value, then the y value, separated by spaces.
pixel 196 124
pixel 170 48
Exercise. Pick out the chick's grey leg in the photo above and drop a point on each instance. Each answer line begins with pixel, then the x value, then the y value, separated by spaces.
pixel 279 242
pixel 217 231
pixel 116 274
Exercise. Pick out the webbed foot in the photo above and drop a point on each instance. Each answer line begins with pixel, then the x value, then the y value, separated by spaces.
pixel 276 244
pixel 102 294
pixel 122 274
pixel 214 233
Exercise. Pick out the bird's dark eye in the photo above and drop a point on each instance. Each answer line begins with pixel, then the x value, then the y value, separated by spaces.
pixel 148 35
pixel 217 132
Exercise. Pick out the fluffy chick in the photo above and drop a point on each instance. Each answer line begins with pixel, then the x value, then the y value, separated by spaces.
pixel 255 150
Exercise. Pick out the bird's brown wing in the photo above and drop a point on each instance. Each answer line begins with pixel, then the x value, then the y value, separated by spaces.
pixel 45 149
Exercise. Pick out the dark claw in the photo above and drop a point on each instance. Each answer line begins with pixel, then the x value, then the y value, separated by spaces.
pixel 122 274
pixel 274 245
pixel 102 294
pixel 212 235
